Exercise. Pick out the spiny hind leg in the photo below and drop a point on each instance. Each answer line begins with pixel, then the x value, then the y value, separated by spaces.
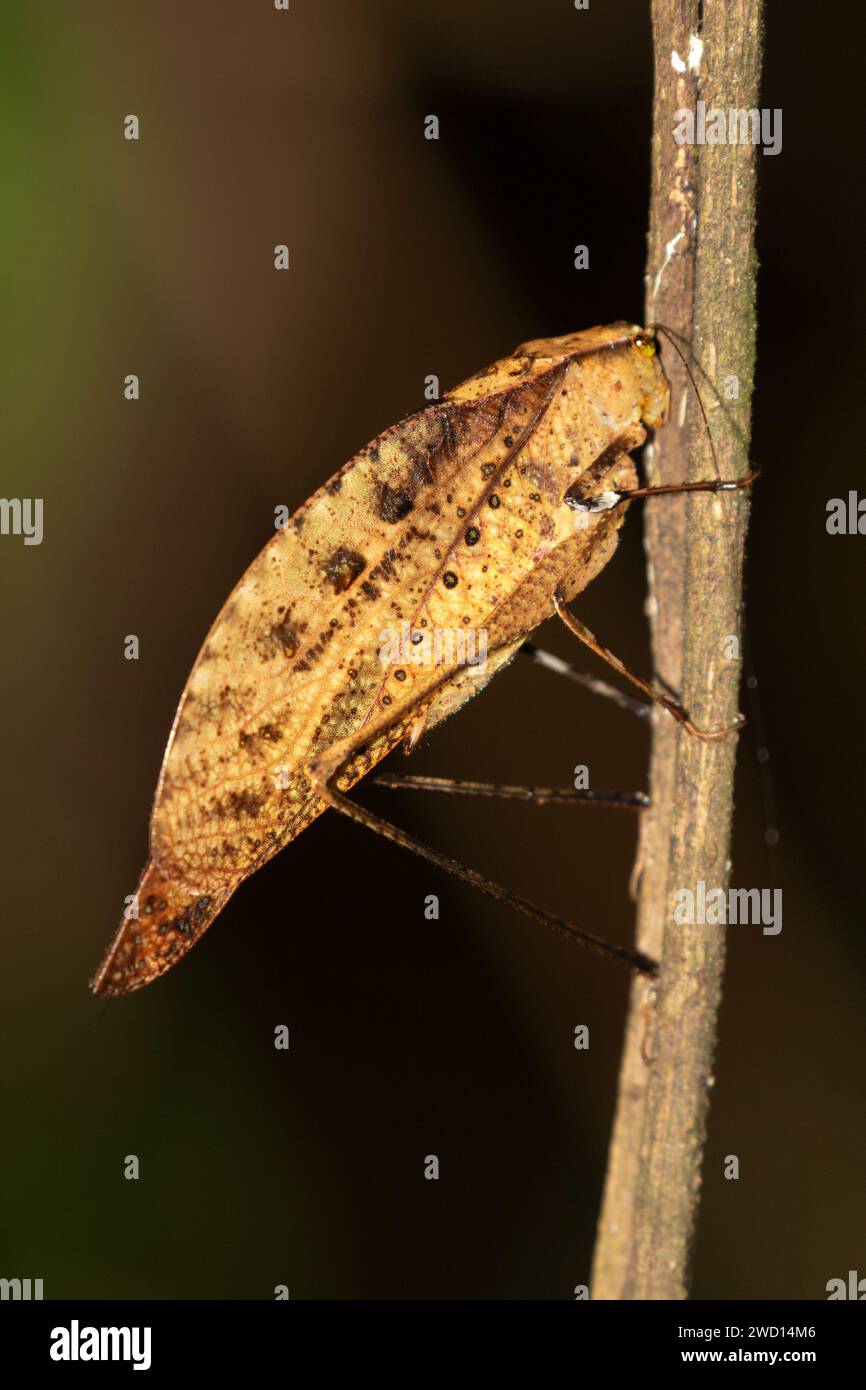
pixel 537 796
pixel 324 771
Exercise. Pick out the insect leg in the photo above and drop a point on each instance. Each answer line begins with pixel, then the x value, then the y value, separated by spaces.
pixel 322 774
pixel 538 796
pixel 598 687
pixel 604 501
pixel 590 640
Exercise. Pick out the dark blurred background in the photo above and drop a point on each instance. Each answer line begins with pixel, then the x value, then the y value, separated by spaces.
pixel 408 1037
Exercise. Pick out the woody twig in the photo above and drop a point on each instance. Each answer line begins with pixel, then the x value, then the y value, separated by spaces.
pixel 701 283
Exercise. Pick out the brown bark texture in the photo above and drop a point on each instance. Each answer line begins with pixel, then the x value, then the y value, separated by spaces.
pixel 700 282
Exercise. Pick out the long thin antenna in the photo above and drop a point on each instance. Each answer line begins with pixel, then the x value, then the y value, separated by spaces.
pixel 669 334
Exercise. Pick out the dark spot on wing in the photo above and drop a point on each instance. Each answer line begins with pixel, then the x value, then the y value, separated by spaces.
pixel 343 568
pixel 394 503
pixel 286 636
pixel 245 802
pixel 191 920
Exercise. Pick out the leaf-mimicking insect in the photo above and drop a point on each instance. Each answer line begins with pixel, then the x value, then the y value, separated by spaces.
pixel 486 512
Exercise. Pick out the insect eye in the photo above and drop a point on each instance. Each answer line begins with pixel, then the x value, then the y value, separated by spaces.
pixel 646 346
